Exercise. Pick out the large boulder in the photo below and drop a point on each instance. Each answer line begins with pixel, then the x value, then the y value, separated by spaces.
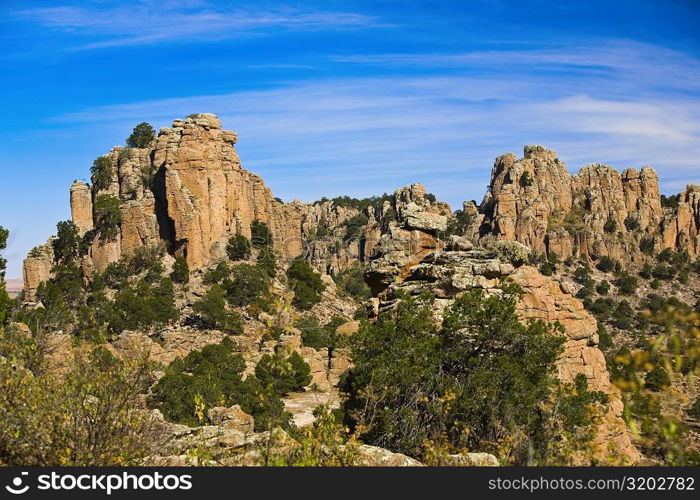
pixel 231 418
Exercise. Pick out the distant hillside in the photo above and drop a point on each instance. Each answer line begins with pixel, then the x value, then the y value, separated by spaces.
pixel 14 286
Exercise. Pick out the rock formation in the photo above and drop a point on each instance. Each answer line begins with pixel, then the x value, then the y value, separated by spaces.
pixel 596 212
pixel 448 271
pixel 37 269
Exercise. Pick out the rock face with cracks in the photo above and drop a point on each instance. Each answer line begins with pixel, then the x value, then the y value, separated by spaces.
pixel 594 213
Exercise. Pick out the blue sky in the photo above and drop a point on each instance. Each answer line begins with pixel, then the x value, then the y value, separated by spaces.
pixel 351 97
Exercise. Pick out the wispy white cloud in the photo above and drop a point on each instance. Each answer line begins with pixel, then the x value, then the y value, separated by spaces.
pixel 634 61
pixel 148 22
pixel 365 135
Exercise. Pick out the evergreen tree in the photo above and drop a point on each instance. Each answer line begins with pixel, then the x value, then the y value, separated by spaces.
pixel 142 136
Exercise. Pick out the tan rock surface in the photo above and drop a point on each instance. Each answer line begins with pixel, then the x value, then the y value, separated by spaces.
pixel 536 201
pixel 81 206
pixel 36 269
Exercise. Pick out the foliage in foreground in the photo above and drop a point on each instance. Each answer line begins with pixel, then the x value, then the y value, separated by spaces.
pixel 213 377
pixel 483 381
pixel 86 416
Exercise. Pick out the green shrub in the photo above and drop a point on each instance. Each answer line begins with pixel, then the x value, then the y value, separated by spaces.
pixel 87 414
pixel 657 379
pixel 312 332
pixel 322 337
pixel 117 273
pixel 610 225
pixel 306 283
pixel 351 281
pixel 547 268
pixel 181 271
pixel 694 410
pixel 646 272
pixel 283 374
pixel 144 306
pixel 603 287
pixel 142 136
pixel 670 201
pixel 354 225
pixel 582 274
pixel 238 247
pixel 602 307
pixel 146 260
pixel 483 371
pixel 217 275
pixel 622 316
pixel 212 377
pixel 526 179
pixel 664 272
pixel 267 261
pixel 457 224
pixel 322 229
pixel 632 223
pixel 66 246
pixel 574 220
pixel 102 171
pixel 247 285
pixel 584 292
pixel 260 234
pixel 605 264
pixel 213 374
pixel 646 245
pixel 108 217
pixel 605 341
pixel 212 312
pixel 626 284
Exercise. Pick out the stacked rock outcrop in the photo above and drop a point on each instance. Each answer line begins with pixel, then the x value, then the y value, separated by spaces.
pixel 597 212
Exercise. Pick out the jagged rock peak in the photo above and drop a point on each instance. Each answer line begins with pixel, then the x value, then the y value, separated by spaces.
pixel 593 213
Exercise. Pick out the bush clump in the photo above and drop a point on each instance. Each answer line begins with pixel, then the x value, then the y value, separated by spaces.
pixel 102 172
pixel 610 225
pixel 218 274
pixel 306 283
pixel 238 247
pixel 354 225
pixel 247 285
pixel 606 264
pixel 108 217
pixel 213 377
pixel 482 377
pixel 85 415
pixel 260 234
pixel 657 379
pixel 626 283
pixel 267 261
pixel 181 271
pixel 322 337
pixel 212 313
pixel 284 374
pixel 142 136
pixel 632 223
pixel 66 246
pixel 351 281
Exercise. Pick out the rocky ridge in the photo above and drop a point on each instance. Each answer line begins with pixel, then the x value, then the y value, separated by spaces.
pixel 594 213
pixel 189 193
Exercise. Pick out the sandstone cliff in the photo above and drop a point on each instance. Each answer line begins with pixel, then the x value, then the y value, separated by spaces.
pixel 596 212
